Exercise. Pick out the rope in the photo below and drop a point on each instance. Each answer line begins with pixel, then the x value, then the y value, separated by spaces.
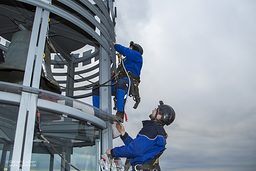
pixel 52 147
pixel 129 86
pixel 99 85
pixel 45 140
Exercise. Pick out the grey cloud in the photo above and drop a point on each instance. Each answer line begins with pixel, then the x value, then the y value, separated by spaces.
pixel 199 57
pixel 136 15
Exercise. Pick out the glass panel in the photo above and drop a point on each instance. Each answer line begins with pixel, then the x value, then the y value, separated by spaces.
pixel 8 121
pixel 40 162
pixel 88 156
pixel 60 140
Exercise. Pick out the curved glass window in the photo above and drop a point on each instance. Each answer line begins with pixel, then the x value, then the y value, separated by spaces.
pixel 64 143
pixel 8 120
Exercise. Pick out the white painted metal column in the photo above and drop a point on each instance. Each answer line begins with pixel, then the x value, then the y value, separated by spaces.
pixel 23 142
pixel 98 152
pixel 105 96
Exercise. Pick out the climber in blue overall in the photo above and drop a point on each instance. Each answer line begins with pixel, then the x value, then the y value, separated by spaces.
pixel 144 151
pixel 132 64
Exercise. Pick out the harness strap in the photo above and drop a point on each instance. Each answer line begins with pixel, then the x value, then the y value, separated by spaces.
pixel 139 167
pixel 147 167
pixel 152 165
pixel 134 87
pixel 134 90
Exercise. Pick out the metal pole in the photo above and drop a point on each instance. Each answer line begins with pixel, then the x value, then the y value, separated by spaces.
pixel 26 117
pixel 98 152
pixel 51 162
pixel 105 96
pixel 28 144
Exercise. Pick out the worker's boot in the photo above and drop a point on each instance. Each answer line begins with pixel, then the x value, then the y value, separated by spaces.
pixel 120 117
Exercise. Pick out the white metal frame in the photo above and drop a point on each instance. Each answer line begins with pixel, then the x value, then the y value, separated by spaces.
pixel 23 142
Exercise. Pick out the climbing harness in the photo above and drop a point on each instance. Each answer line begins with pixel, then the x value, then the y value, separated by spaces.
pixel 133 82
pixel 134 90
pixel 152 165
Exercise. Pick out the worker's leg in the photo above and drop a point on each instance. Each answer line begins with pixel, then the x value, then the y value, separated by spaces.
pixel 95 97
pixel 96 94
pixel 121 92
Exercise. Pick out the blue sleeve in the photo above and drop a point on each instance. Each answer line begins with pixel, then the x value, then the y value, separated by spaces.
pixel 126 138
pixel 121 49
pixel 130 54
pixel 135 148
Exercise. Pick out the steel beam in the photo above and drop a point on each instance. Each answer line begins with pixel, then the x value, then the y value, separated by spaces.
pixel 105 97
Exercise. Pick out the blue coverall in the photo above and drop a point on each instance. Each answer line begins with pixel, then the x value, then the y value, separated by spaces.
pixel 149 143
pixel 133 63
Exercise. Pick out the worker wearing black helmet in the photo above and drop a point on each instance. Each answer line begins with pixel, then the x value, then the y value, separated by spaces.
pixel 128 76
pixel 144 151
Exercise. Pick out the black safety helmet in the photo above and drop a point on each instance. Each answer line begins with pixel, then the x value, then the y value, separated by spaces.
pixel 167 112
pixel 136 47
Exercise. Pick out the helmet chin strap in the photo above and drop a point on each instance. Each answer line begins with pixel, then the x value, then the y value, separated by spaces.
pixel 153 117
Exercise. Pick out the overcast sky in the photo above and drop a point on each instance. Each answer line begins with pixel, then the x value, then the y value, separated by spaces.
pixel 199 57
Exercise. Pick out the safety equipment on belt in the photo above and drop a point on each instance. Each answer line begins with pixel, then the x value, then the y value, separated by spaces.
pixel 147 167
pixel 133 83
pixel 136 47
pixel 152 165
pixel 134 90
pixel 167 112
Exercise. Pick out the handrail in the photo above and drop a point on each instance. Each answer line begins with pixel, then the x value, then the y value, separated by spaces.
pixel 10 92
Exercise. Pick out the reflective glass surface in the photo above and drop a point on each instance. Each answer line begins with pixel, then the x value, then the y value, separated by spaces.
pixel 8 120
pixel 63 143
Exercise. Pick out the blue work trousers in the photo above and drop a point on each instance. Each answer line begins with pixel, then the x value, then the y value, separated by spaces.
pixel 119 90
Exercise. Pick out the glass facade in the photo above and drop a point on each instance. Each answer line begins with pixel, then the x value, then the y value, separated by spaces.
pixel 8 120
pixel 61 140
